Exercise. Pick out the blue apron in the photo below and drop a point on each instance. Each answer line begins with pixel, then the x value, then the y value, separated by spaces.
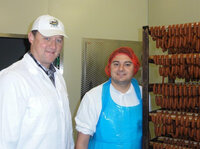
pixel 118 127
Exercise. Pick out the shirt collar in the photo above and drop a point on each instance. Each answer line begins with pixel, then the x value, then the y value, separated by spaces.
pixel 112 88
pixel 51 67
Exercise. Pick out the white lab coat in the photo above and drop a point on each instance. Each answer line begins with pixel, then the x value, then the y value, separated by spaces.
pixel 33 113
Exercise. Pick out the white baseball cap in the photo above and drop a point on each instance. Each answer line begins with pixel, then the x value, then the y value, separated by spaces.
pixel 49 26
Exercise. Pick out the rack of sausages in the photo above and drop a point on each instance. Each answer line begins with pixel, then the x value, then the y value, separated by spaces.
pixel 177 122
pixel 171 143
pixel 179 38
pixel 182 125
pixel 182 66
pixel 180 97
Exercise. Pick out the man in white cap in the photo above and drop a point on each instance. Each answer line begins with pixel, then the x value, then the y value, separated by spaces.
pixel 34 106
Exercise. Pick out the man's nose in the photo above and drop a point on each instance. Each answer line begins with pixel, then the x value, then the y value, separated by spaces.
pixel 53 44
pixel 121 67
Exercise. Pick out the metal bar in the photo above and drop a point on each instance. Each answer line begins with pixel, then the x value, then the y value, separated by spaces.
pixel 145 87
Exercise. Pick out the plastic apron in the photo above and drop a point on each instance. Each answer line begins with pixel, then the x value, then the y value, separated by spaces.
pixel 118 127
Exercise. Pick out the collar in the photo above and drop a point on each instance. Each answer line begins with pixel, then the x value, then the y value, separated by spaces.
pixel 112 88
pixel 51 67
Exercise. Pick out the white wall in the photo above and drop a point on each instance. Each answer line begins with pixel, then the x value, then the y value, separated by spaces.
pixel 105 19
pixel 165 12
pixel 16 15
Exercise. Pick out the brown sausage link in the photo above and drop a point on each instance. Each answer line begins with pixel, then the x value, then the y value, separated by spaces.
pixel 174 104
pixel 151 32
pixel 189 103
pixel 193 104
pixel 189 32
pixel 176 42
pixel 177 59
pixel 163 129
pixel 185 29
pixel 181 131
pixel 180 90
pixel 192 59
pixel 185 90
pixel 190 90
pixel 192 71
pixel 162 59
pixel 176 70
pixel 198 136
pixel 182 60
pixel 196 72
pixel 187 121
pixel 198 30
pixel 183 103
pixel 188 59
pixel 158 59
pixel 163 89
pixel 180 102
pixel 197 60
pixel 172 41
pixel 186 131
pixel 195 28
pixel 156 31
pixel 163 30
pixel 173 59
pixel 175 90
pixel 194 42
pixel 177 120
pixel 184 41
pixel 180 42
pixel 163 102
pixel 177 33
pixel 173 30
pixel 198 122
pixel 157 42
pixel 170 90
pixel 166 90
pixel 181 29
pixel 159 89
pixel 182 121
pixel 197 45
pixel 193 121
pixel 194 90
pixel 161 71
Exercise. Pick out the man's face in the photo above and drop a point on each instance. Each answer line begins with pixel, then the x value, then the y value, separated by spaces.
pixel 121 70
pixel 45 49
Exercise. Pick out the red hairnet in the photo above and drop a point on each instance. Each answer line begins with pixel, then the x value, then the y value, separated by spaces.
pixel 127 51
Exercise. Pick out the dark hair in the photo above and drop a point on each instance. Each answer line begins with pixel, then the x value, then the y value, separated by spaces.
pixel 34 32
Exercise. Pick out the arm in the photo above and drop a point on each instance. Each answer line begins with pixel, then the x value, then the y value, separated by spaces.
pixel 82 141
pixel 11 112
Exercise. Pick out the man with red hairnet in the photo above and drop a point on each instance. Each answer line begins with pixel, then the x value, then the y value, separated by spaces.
pixel 110 115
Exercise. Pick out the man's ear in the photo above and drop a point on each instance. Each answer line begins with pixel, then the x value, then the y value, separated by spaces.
pixel 30 37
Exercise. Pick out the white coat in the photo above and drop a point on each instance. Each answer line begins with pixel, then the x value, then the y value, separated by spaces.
pixel 33 113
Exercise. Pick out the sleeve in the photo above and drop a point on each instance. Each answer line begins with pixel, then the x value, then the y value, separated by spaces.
pixel 11 111
pixel 88 112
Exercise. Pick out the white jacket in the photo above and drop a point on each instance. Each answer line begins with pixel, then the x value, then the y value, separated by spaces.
pixel 33 113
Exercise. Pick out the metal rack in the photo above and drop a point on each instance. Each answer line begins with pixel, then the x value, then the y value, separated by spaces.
pixel 147 141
